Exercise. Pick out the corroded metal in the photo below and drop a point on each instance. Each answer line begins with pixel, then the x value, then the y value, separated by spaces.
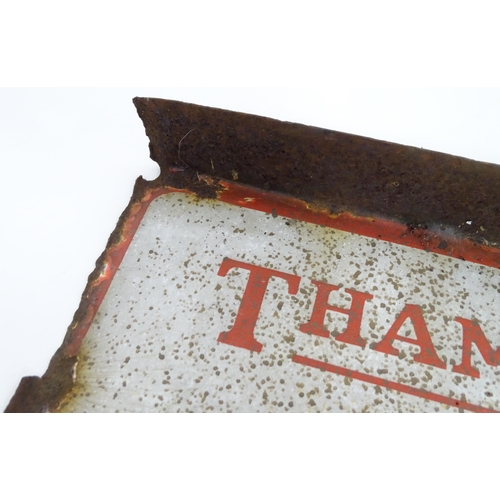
pixel 278 267
pixel 339 171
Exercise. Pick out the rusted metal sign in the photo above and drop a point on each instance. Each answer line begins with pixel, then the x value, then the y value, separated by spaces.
pixel 316 284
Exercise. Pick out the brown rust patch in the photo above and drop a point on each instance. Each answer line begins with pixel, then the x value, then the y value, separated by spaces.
pixel 42 394
pixel 341 171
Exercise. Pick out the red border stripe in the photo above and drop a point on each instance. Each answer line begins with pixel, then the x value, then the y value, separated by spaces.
pixel 286 206
pixel 374 227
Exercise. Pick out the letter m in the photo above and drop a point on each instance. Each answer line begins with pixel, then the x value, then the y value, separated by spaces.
pixel 472 334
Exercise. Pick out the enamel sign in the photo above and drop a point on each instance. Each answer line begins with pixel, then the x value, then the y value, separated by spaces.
pixel 254 302
pixel 274 267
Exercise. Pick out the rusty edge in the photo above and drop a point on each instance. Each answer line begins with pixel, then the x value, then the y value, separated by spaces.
pixel 43 394
pixel 290 160
pixel 336 171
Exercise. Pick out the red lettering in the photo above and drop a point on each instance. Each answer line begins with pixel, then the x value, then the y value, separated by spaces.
pixel 427 353
pixel 352 334
pixel 472 333
pixel 242 332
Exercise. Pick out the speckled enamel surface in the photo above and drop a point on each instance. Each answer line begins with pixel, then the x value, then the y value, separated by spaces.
pixel 153 343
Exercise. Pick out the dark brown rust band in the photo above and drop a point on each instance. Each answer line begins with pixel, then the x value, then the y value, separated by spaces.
pixel 339 171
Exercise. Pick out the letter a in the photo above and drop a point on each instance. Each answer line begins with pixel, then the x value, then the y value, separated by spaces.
pixel 427 352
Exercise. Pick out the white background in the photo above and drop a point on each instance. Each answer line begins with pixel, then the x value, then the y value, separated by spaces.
pixel 70 158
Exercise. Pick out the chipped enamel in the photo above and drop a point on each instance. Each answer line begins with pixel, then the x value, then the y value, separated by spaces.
pixel 153 344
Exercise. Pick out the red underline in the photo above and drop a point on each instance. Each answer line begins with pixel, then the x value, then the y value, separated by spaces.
pixel 371 379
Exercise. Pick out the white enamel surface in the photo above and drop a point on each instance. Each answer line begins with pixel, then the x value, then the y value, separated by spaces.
pixel 153 344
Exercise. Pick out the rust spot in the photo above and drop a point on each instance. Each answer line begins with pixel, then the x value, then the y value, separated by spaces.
pixel 43 394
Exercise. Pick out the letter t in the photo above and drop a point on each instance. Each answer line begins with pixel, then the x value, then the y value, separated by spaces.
pixel 242 332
